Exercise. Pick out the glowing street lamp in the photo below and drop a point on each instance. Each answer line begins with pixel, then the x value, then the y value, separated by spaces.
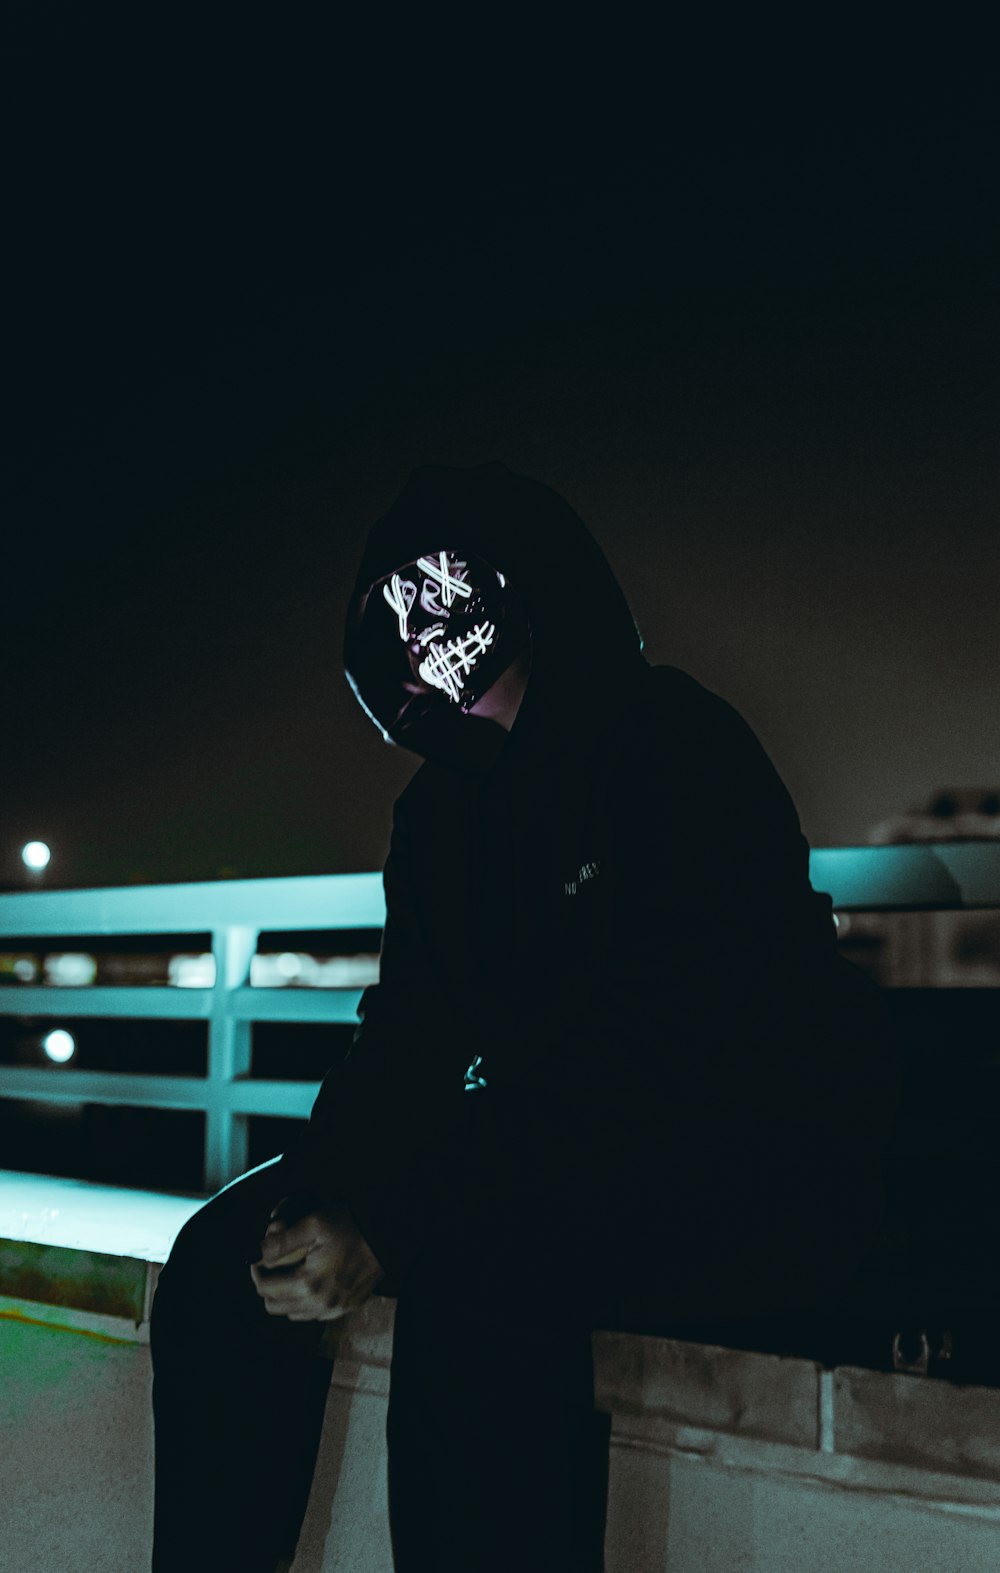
pixel 35 856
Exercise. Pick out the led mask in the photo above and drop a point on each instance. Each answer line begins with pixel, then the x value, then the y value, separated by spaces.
pixel 458 622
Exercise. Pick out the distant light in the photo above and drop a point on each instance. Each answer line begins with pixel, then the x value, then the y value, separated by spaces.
pixel 192 972
pixel 70 969
pixel 36 855
pixel 59 1045
pixel 270 971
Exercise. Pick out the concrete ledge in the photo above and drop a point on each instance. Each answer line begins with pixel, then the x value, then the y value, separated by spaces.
pixel 754 1395
pixel 59 1276
pixel 925 1423
pixel 110 1219
pixel 84 1257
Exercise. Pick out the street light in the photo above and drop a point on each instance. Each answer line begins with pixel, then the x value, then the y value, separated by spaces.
pixel 35 856
pixel 59 1045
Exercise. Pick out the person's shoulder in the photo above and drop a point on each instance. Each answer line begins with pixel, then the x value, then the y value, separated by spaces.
pixel 674 707
pixel 701 743
pixel 671 686
pixel 429 790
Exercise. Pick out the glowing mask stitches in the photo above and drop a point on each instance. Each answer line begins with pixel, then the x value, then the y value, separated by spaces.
pixel 447 665
pixel 442 663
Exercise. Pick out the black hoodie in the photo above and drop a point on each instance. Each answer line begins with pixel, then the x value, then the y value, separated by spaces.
pixel 610 906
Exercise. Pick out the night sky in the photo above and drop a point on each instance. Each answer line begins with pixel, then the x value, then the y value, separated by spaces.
pixel 751 337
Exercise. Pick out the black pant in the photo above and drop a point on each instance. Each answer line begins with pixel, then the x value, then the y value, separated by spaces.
pixel 496 1457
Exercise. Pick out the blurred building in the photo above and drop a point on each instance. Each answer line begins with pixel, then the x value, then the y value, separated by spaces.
pixel 951 814
pixel 931 949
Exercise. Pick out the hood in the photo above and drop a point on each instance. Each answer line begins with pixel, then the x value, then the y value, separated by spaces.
pixel 584 642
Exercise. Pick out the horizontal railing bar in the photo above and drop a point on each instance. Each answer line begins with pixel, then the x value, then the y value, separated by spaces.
pixel 330 1005
pixel 308 901
pixel 62 1084
pixel 246 1004
pixel 286 1099
pixel 943 874
pixel 171 1004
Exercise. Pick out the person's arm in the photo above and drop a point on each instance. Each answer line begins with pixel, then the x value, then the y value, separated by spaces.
pixel 386 1116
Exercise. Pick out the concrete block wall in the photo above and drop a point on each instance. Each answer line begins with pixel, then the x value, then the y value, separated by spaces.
pixel 721 1461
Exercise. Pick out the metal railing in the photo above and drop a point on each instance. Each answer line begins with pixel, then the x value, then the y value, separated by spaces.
pixel 234 913
pixel 943 876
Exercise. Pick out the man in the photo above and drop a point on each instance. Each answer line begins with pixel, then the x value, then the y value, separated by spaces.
pixel 614 1072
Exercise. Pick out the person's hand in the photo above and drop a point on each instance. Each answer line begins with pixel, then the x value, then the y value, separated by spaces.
pixel 317 1269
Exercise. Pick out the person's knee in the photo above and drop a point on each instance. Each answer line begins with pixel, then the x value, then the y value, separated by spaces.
pixel 179 1278
pixel 197 1240
pixel 208 1269
pixel 230 1223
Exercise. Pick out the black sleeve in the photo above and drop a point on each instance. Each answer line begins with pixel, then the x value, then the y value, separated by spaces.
pixel 387 1118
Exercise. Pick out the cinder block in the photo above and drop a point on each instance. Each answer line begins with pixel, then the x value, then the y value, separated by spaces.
pixel 917 1420
pixel 706 1387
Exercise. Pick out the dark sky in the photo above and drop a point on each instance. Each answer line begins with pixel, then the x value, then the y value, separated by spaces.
pixel 751 335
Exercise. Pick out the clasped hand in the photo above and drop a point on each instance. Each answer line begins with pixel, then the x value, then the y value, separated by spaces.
pixel 317 1269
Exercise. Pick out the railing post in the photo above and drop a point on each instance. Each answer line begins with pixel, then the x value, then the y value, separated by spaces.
pixel 226 1136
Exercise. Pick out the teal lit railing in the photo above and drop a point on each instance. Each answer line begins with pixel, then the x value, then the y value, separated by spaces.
pixel 235 912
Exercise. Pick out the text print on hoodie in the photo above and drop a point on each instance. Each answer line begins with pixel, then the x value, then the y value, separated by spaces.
pixel 601 921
